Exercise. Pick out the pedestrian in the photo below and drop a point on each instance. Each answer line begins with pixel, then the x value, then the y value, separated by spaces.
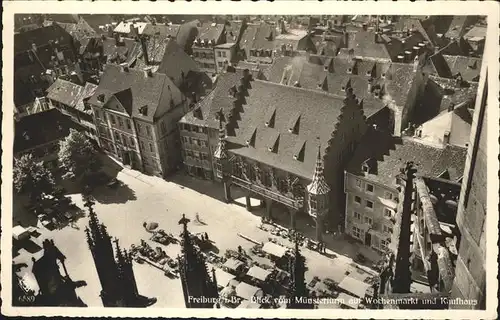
pixel 240 249
pixel 206 236
pixel 197 217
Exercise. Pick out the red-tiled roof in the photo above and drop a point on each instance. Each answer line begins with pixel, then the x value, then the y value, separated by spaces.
pixel 175 61
pixel 468 67
pixel 162 30
pixel 40 37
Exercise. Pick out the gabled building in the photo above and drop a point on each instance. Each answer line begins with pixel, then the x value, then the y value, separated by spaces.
pixel 272 142
pixel 71 99
pixel 199 288
pixel 136 114
pixel 371 181
pixel 451 126
pixel 381 85
pixel 210 35
pixel 40 133
pixel 263 42
pixel 40 55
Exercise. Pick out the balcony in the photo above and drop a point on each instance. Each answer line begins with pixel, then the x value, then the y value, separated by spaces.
pixel 296 204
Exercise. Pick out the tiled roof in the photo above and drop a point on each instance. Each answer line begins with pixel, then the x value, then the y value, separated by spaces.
pixel 387 154
pixel 65 92
pixel 468 67
pixel 187 32
pixel 318 115
pixel 397 82
pixel 476 32
pixel 453 94
pixel 162 30
pixel 204 106
pixel 135 90
pixel 364 45
pixel 233 30
pixel 125 27
pixel 458 26
pixel 80 30
pixel 126 50
pixel 97 21
pixel 175 61
pixel 87 92
pixel 41 128
pixel 456 123
pixel 40 37
pixel 210 31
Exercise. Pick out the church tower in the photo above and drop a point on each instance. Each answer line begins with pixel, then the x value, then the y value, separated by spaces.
pixel 299 292
pixel 318 193
pixel 114 267
pixel 200 291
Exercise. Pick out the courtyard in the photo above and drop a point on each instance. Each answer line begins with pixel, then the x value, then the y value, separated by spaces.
pixel 144 198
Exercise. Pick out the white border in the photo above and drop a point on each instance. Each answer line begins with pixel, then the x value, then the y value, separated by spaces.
pixel 490 9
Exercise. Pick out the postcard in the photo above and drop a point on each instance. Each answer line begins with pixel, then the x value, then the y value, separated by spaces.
pixel 250 160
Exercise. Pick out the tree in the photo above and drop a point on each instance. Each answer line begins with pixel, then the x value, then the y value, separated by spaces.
pixel 32 177
pixel 77 156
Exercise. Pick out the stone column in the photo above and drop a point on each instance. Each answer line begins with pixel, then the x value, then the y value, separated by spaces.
pixel 248 203
pixel 227 192
pixel 293 213
pixel 269 208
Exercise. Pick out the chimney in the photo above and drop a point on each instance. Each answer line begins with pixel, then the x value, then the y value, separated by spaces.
pixel 446 137
pixel 365 27
pixel 148 72
pixel 400 58
pixel 416 51
pixel 144 49
pixel 34 47
pixel 346 39
pixel 407 57
pixel 369 85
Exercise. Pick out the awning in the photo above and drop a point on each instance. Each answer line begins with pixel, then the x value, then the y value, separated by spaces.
pixel 348 300
pixel 223 277
pixel 258 273
pixel 274 249
pixel 246 291
pixel 356 287
pixel 233 264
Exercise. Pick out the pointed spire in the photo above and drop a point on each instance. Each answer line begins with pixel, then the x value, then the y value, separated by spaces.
pixel 220 151
pixel 318 184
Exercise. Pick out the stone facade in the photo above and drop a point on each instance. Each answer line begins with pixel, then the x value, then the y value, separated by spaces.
pixel 470 272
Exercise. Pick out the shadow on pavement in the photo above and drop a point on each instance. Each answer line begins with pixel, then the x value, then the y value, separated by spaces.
pixel 118 194
pixel 209 188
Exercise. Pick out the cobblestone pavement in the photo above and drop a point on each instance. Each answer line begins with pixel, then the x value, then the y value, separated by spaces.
pixel 145 199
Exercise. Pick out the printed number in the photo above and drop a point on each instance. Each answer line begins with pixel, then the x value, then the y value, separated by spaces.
pixel 27 298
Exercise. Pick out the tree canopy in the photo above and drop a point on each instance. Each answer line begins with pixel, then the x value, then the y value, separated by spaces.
pixel 32 177
pixel 77 155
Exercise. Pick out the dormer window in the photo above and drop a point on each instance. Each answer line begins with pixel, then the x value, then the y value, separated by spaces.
pixel 143 110
pixel 349 70
pixel 365 168
pixel 383 75
pixel 270 117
